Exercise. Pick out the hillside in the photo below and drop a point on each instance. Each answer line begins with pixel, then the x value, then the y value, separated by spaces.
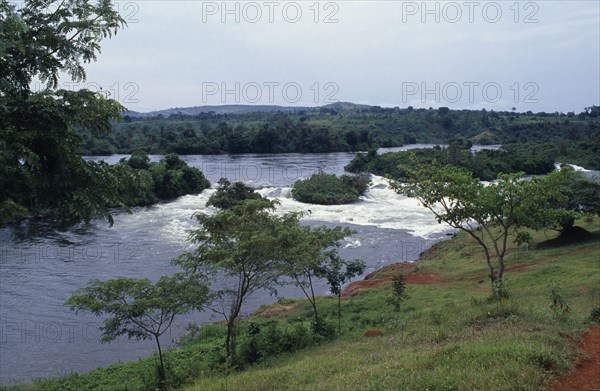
pixel 220 109
pixel 448 334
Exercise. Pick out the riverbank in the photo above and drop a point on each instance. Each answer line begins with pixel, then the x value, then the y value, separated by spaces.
pixel 448 335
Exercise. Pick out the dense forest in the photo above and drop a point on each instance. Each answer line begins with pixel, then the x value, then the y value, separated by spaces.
pixel 484 165
pixel 344 127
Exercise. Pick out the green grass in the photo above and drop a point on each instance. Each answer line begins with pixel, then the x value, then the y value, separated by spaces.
pixel 447 336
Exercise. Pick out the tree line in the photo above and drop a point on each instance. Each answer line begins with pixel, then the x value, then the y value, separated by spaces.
pixel 563 137
pixel 484 164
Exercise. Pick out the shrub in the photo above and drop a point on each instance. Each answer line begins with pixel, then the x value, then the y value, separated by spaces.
pixel 398 292
pixel 500 291
pixel 264 340
pixel 558 303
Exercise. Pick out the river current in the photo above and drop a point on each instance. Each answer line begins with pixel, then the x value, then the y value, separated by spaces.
pixel 40 268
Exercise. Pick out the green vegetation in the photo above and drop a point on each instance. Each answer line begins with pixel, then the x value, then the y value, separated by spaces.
pixel 313 253
pixel 484 164
pixel 241 243
pixel 447 335
pixel 169 178
pixel 230 194
pixel 41 171
pixel 581 197
pixel 489 214
pixel 172 178
pixel 139 309
pixel 328 189
pixel 398 292
pixel 251 249
pixel 337 271
pixel 570 137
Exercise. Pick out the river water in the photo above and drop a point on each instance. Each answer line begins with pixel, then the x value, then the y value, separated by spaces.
pixel 40 268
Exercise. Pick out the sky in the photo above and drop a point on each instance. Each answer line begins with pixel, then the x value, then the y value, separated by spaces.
pixel 536 55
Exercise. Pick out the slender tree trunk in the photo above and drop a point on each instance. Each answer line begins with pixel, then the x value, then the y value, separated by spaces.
pixel 314 305
pixel 317 327
pixel 161 371
pixel 502 255
pixel 228 340
pixel 340 312
pixel 311 299
pixel 491 268
pixel 501 268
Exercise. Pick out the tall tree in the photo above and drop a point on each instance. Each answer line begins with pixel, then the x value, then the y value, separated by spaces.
pixel 310 250
pixel 241 246
pixel 488 213
pixel 41 172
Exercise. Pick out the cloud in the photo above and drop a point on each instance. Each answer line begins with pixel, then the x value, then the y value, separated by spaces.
pixel 369 50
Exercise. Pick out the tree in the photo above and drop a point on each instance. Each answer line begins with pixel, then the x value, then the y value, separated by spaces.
pixel 337 272
pixel 581 196
pixel 241 245
pixel 139 309
pixel 488 213
pixel 42 172
pixel 308 252
pixel 139 160
pixel 172 178
pixel 230 194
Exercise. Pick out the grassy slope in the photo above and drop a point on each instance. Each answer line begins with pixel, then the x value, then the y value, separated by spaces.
pixel 448 336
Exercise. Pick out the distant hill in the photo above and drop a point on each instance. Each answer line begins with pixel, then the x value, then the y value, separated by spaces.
pixel 243 109
pixel 338 106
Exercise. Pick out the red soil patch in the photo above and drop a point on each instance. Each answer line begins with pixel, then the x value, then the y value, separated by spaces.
pixel 585 375
pixel 385 275
pixel 373 333
pixel 422 279
pixel 359 286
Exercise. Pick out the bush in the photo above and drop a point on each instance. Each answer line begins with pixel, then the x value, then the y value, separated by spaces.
pixel 398 292
pixel 558 303
pixel 264 340
pixel 328 189
pixel 500 291
pixel 139 160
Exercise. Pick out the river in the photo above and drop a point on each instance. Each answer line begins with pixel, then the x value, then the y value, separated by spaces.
pixel 40 268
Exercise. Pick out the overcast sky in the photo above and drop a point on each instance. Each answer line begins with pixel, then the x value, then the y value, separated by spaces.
pixel 539 56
